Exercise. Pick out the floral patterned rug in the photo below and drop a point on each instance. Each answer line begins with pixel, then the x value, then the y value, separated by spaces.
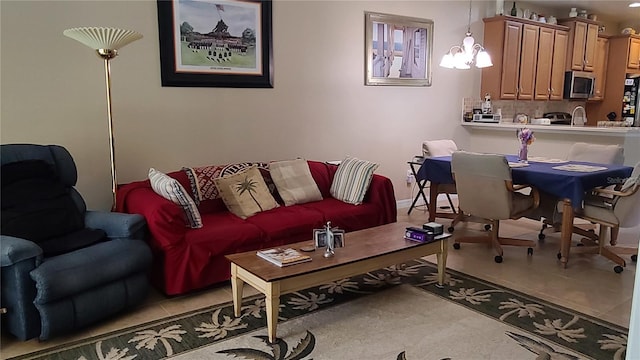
pixel 393 313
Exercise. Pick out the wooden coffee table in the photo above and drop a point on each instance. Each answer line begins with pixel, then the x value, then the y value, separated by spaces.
pixel 364 251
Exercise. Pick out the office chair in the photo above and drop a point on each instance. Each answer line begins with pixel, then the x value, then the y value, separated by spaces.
pixel 549 210
pixel 613 209
pixel 486 191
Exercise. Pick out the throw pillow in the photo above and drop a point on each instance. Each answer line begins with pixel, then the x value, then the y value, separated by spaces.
pixel 245 193
pixel 202 178
pixel 170 189
pixel 352 180
pixel 294 181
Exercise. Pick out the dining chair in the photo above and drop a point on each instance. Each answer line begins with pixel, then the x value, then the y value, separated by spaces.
pixel 613 209
pixel 486 191
pixel 549 210
pixel 442 147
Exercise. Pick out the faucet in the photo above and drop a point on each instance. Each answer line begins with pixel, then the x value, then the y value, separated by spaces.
pixel 573 115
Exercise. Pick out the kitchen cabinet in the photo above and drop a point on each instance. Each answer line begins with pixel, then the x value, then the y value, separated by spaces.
pixel 552 49
pixel 633 60
pixel 561 41
pixel 583 38
pixel 600 68
pixel 621 54
pixel 528 61
pixel 518 71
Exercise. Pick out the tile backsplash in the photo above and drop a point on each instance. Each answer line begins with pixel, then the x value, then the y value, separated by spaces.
pixel 533 109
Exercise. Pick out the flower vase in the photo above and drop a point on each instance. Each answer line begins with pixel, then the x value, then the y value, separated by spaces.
pixel 523 154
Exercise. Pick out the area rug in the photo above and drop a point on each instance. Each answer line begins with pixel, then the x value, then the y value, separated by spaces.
pixel 393 313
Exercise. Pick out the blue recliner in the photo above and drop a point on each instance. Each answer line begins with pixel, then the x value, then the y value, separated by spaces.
pixel 79 266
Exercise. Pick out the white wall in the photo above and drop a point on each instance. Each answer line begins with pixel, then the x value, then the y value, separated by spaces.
pixel 53 92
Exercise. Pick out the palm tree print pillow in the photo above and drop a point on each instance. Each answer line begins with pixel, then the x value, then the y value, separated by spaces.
pixel 245 193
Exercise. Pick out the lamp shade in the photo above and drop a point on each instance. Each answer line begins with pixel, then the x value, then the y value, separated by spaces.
pixel 103 38
pixel 483 59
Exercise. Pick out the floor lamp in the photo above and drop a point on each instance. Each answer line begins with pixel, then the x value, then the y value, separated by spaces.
pixel 106 42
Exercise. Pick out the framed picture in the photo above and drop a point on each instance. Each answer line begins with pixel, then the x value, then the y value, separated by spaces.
pixel 398 50
pixel 320 238
pixel 216 43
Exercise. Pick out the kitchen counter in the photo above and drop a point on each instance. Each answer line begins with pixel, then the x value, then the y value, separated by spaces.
pixel 551 140
pixel 583 130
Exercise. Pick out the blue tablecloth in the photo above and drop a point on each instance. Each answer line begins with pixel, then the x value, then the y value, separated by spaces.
pixel 560 183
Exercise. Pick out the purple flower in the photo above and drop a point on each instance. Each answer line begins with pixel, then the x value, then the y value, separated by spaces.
pixel 525 135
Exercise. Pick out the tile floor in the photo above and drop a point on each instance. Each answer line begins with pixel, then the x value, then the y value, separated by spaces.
pixel 588 284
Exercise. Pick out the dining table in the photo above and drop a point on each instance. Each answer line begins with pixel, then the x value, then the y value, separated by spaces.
pixel 567 180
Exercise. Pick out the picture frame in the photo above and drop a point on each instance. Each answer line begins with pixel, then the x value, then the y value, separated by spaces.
pixel 409 64
pixel 320 238
pixel 216 43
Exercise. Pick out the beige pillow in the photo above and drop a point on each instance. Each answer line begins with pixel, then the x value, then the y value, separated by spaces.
pixel 245 193
pixel 294 181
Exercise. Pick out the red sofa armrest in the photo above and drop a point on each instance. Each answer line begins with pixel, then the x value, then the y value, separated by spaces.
pixel 166 220
pixel 381 192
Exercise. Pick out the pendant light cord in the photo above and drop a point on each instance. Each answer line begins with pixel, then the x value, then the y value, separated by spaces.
pixel 469 23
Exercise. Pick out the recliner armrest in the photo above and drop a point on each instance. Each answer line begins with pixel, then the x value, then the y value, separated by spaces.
pixel 13 250
pixel 117 225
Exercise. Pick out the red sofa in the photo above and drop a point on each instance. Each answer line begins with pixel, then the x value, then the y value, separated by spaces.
pixel 187 259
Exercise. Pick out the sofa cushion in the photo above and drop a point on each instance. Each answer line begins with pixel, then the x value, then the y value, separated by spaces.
pixel 245 193
pixel 224 233
pixel 288 224
pixel 202 178
pixel 346 216
pixel 352 180
pixel 170 189
pixel 294 181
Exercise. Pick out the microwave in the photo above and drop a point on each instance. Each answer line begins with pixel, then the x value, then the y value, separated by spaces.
pixel 578 84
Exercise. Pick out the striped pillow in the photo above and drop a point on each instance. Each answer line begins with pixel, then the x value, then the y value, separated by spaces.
pixel 352 180
pixel 170 189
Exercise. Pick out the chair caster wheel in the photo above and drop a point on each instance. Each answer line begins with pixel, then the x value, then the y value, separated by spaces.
pixel 456 246
pixel 541 236
pixel 530 251
pixel 634 258
pixel 559 256
pixel 487 227
pixel 498 259
pixel 618 269
pixel 450 229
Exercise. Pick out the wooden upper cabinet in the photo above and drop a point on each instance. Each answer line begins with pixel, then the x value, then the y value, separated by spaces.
pixel 545 62
pixel 583 38
pixel 528 61
pixel 561 41
pixel 633 60
pixel 600 68
pixel 510 60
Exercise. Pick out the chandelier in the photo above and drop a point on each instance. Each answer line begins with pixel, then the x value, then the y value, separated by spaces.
pixel 470 52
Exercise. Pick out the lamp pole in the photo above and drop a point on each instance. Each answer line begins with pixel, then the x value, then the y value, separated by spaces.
pixel 107 55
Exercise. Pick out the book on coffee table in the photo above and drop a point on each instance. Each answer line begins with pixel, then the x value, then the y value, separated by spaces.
pixel 283 256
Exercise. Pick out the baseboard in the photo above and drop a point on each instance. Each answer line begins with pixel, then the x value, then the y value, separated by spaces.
pixel 442 200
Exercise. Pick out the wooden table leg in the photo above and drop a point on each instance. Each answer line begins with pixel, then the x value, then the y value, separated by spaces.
pixel 272 302
pixel 566 231
pixel 236 289
pixel 433 201
pixel 441 256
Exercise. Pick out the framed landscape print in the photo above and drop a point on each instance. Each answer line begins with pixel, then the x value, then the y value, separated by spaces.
pixel 398 50
pixel 220 43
